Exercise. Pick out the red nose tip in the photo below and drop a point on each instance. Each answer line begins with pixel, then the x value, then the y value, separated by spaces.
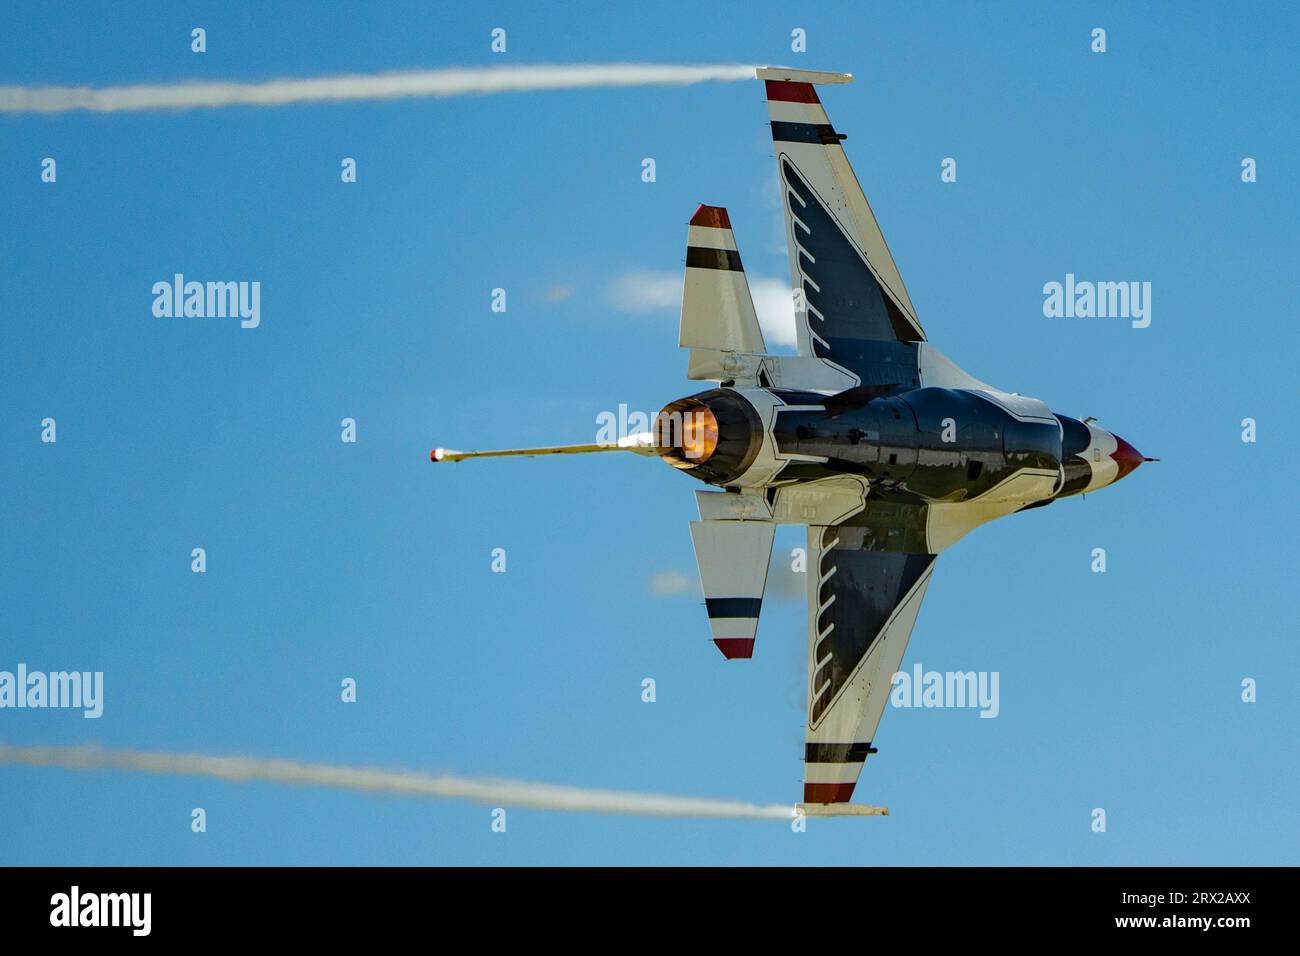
pixel 1126 457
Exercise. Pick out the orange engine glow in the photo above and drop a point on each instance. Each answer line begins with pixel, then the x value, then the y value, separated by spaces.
pixel 699 435
pixel 687 436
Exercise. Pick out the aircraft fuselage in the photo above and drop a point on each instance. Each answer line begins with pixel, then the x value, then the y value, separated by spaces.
pixel 927 444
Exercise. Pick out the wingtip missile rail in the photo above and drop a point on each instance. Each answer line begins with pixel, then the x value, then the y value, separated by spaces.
pixel 840 810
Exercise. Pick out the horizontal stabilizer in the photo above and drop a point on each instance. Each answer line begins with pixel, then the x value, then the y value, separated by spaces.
pixel 717 309
pixel 733 557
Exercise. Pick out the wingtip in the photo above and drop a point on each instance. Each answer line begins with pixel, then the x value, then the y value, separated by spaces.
pixel 809 809
pixel 789 75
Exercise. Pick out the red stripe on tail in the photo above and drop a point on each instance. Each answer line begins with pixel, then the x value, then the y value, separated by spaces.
pixel 714 216
pixel 735 648
pixel 827 792
pixel 787 92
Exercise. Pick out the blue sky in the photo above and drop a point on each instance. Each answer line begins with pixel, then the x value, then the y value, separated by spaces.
pixel 329 560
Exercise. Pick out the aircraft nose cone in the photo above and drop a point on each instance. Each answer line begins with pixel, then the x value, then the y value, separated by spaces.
pixel 1126 457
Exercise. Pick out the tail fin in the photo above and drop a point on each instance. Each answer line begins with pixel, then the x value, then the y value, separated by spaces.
pixel 717 310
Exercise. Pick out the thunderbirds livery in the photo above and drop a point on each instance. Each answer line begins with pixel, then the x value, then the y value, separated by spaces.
pixel 884 448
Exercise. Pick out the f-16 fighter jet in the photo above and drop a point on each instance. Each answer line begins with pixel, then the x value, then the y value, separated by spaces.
pixel 883 447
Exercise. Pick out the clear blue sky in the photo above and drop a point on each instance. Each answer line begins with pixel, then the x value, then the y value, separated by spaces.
pixel 328 560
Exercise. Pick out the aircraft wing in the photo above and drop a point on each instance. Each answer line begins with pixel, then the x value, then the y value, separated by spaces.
pixel 858 314
pixel 867 578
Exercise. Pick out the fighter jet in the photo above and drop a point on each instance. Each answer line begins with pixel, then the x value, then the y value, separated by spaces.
pixel 883 447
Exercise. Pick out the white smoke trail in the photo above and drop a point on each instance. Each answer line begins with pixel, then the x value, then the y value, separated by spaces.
pixel 507 793
pixel 361 86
